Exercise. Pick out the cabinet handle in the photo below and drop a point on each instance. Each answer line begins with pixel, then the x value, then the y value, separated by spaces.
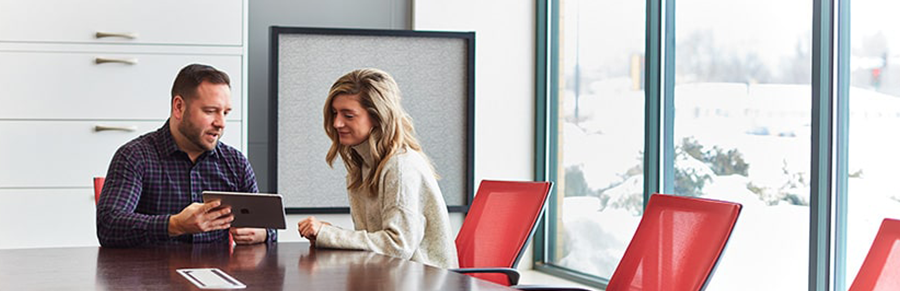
pixel 99 128
pixel 127 35
pixel 102 60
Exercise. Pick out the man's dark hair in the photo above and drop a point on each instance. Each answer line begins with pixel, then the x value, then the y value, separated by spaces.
pixel 190 77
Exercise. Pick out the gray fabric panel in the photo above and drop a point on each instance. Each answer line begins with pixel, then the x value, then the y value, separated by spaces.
pixel 431 73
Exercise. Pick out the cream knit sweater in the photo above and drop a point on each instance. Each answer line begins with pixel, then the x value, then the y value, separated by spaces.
pixel 407 219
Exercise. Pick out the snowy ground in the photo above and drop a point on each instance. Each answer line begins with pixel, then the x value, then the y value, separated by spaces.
pixel 769 125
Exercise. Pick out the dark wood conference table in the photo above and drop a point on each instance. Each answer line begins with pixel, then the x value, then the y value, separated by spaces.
pixel 278 266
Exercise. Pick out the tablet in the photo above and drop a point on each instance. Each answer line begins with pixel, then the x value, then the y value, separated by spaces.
pixel 251 209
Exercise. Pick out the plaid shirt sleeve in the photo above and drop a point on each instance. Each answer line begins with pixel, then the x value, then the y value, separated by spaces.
pixel 118 225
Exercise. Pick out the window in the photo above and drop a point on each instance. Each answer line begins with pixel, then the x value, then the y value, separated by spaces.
pixel 874 116
pixel 742 130
pixel 738 126
pixel 599 134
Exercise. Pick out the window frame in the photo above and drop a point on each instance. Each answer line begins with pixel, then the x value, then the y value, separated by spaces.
pixel 829 142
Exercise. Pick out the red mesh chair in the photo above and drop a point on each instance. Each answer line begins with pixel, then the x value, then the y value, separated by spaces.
pixel 677 244
pixel 497 228
pixel 881 268
pixel 98 186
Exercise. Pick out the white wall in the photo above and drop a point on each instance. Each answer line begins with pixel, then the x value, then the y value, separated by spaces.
pixel 504 81
pixel 504 78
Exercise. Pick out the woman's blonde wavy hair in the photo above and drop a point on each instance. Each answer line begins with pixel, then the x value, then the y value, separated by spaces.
pixel 392 128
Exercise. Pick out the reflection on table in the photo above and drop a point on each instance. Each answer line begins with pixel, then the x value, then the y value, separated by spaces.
pixel 289 266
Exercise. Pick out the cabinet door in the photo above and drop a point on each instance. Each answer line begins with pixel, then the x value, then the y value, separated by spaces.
pixel 54 85
pixel 36 218
pixel 195 22
pixel 36 154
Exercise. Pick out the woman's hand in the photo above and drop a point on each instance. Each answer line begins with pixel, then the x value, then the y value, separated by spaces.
pixel 309 227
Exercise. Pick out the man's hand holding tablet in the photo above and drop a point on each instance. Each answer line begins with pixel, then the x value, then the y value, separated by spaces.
pixel 200 217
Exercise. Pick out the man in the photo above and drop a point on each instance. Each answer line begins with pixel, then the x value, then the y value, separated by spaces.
pixel 152 193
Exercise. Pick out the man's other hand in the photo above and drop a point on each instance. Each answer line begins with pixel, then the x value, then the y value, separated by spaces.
pixel 246 235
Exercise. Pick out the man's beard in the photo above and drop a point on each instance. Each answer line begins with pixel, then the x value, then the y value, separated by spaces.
pixel 195 135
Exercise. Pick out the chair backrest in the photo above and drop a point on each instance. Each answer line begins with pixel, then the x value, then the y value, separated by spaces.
pixel 677 244
pixel 881 268
pixel 98 186
pixel 499 224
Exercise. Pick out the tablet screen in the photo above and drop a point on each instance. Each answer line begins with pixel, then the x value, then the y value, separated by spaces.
pixel 251 209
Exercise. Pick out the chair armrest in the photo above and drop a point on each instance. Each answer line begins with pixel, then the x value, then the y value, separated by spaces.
pixel 510 273
pixel 547 288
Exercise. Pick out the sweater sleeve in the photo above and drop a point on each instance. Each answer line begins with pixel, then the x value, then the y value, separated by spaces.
pixel 402 223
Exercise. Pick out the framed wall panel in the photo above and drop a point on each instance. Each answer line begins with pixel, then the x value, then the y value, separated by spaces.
pixel 436 75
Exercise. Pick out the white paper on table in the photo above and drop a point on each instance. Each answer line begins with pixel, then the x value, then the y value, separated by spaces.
pixel 211 278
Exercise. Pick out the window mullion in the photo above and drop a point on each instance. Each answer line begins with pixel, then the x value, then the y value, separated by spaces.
pixel 652 93
pixel 843 139
pixel 821 159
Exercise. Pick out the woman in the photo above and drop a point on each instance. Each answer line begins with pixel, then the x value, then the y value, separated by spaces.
pixel 396 205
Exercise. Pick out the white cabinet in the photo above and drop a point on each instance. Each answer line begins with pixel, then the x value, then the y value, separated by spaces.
pixel 46 217
pixel 73 86
pixel 178 22
pixel 66 154
pixel 67 67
